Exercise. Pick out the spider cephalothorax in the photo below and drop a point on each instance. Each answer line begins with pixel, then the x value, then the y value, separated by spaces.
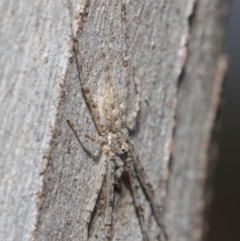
pixel 118 142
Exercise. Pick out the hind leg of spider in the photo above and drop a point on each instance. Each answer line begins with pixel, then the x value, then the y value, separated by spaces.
pixel 90 145
pixel 96 190
pixel 148 189
pixel 109 199
pixel 136 198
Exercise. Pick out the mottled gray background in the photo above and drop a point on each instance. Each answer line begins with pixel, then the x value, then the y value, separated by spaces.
pixel 225 212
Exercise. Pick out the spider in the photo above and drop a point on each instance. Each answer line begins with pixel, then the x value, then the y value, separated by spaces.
pixel 117 154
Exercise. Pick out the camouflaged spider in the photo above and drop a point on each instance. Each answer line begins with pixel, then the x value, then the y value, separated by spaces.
pixel 116 151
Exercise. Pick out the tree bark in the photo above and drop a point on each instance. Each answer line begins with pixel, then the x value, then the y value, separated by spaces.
pixel 176 48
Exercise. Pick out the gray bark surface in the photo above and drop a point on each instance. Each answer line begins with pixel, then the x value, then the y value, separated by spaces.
pixel 46 177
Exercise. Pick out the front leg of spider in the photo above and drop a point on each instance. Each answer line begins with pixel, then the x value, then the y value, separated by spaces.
pixel 90 144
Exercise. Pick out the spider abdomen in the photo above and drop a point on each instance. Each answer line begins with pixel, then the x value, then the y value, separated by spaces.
pixel 112 109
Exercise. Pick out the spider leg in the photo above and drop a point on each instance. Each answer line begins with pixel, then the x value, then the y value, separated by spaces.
pixel 85 90
pixel 120 167
pixel 96 190
pixel 89 144
pixel 136 197
pixel 109 199
pixel 131 121
pixel 147 188
pixel 125 71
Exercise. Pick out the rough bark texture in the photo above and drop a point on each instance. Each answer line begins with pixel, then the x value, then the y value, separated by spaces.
pixel 46 176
